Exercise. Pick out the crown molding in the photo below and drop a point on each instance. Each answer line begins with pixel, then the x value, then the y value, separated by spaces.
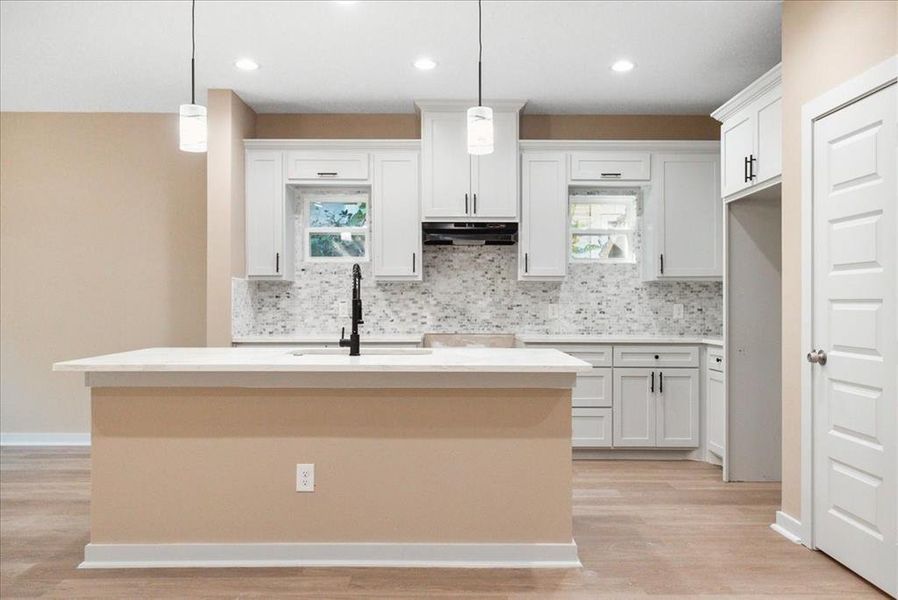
pixel 304 144
pixel 453 105
pixel 755 89
pixel 606 145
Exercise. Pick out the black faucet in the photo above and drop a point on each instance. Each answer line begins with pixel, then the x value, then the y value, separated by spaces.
pixel 353 341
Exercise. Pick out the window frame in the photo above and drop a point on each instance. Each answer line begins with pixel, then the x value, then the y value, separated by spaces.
pixel 309 230
pixel 628 200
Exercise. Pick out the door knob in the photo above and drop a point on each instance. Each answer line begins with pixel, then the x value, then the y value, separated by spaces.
pixel 817 356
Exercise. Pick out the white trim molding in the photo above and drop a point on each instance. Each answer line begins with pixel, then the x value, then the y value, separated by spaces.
pixel 44 439
pixel 340 144
pixel 787 526
pixel 868 82
pixel 698 146
pixel 755 89
pixel 418 555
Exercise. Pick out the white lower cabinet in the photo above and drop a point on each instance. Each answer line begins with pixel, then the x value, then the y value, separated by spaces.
pixel 591 428
pixel 634 407
pixel 593 389
pixel 715 392
pixel 676 409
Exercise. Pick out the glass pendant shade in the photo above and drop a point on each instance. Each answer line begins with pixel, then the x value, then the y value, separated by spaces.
pixel 192 126
pixel 480 130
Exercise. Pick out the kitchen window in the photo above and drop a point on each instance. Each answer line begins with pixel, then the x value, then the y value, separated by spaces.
pixel 337 228
pixel 602 227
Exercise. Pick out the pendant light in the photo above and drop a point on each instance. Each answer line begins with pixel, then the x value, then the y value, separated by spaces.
pixel 192 117
pixel 480 118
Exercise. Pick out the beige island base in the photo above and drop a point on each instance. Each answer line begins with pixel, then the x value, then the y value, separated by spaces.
pixel 454 457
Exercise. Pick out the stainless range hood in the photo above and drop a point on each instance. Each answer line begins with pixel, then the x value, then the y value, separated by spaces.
pixel 470 234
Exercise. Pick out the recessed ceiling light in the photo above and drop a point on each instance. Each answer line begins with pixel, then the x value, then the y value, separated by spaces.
pixel 246 64
pixel 622 66
pixel 425 64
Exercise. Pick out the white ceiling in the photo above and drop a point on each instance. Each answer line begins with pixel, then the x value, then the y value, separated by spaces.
pixel 340 57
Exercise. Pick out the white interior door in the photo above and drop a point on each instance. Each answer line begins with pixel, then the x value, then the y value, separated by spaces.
pixel 854 324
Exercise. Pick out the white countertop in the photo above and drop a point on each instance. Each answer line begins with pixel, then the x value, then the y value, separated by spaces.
pixel 281 360
pixel 527 338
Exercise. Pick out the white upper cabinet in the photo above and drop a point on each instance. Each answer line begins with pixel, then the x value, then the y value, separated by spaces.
pixel 684 220
pixel 322 165
pixel 396 223
pixel 457 185
pixel 269 248
pixel 610 166
pixel 543 238
pixel 751 137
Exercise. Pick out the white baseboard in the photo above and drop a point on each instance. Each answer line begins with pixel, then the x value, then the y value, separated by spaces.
pixel 522 556
pixel 44 439
pixel 637 454
pixel 787 526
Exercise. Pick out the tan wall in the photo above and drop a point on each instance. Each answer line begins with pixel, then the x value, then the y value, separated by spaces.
pixel 219 465
pixel 230 122
pixel 533 127
pixel 102 237
pixel 824 44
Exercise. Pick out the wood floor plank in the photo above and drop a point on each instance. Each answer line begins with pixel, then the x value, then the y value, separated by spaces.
pixel 645 529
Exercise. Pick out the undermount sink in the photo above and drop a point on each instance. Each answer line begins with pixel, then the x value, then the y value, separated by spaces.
pixel 364 351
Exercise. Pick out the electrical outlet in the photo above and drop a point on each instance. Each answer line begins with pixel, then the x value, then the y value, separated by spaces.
pixel 305 478
pixel 677 311
pixel 342 308
pixel 552 312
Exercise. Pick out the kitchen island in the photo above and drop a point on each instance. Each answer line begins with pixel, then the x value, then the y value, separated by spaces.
pixel 422 457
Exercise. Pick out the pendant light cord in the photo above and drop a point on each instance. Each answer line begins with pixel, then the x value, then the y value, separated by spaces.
pixel 193 52
pixel 480 53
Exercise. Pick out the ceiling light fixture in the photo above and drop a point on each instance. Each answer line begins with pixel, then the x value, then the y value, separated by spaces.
pixel 480 118
pixel 622 66
pixel 246 64
pixel 425 64
pixel 192 117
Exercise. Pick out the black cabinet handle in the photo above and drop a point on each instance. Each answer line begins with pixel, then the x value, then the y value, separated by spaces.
pixel 475 204
pixel 745 164
pixel 327 173
pixel 466 204
pixel 277 262
pixel 751 167
pixel 526 262
pixel 661 382
pixel 653 383
pixel 611 174
pixel 718 359
pixel 413 262
pixel 662 264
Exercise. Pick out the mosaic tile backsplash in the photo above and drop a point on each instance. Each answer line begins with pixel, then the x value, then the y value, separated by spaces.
pixel 475 290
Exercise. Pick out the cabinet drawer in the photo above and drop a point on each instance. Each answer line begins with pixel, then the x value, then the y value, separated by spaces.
pixel 592 389
pixel 610 166
pixel 597 356
pixel 591 428
pixel 715 359
pixel 323 166
pixel 656 356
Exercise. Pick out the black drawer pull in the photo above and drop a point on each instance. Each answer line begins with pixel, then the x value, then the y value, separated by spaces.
pixel 611 174
pixel 277 262
pixel 327 173
pixel 661 382
pixel 653 383
pixel 718 359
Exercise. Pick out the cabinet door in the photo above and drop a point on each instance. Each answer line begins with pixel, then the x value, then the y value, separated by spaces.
pixel 736 146
pixel 494 176
pixel 677 408
pixel 716 421
pixel 591 428
pixel 768 133
pixel 634 407
pixel 265 219
pixel 320 165
pixel 689 228
pixel 446 171
pixel 543 245
pixel 610 166
pixel 593 389
pixel 396 224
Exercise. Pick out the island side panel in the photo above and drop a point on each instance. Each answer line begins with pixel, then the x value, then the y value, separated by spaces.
pixel 179 465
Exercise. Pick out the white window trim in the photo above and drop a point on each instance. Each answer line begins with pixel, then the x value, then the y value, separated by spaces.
pixel 629 232
pixel 309 230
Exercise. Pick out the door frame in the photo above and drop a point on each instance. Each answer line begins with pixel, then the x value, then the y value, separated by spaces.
pixel 869 82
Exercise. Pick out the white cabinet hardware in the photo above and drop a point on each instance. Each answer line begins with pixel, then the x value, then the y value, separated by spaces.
pixel 543 243
pixel 396 226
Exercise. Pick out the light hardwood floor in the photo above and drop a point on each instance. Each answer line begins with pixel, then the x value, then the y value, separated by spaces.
pixel 644 529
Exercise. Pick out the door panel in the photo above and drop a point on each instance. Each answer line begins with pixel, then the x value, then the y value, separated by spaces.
pixel 769 123
pixel 543 248
pixel 591 428
pixel 736 144
pixel 716 422
pixel 634 407
pixel 446 165
pixel 265 206
pixel 495 176
pixel 396 225
pixel 593 389
pixel 854 298
pixel 677 408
